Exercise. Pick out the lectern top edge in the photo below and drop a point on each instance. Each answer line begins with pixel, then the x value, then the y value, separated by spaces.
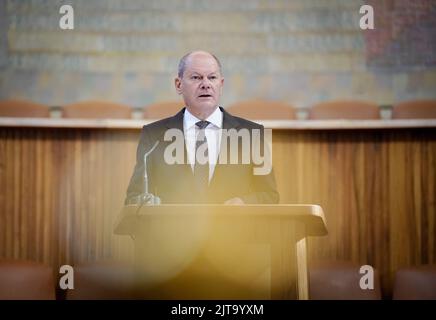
pixel 311 215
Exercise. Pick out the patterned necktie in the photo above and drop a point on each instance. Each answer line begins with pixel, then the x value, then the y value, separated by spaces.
pixel 201 168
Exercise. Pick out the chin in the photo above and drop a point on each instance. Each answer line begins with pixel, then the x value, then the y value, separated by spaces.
pixel 206 106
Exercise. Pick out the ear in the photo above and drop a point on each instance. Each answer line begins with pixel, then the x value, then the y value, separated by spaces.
pixel 178 85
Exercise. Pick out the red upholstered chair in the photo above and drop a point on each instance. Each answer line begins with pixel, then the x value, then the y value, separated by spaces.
pixel 415 283
pixel 102 280
pixel 262 110
pixel 162 109
pixel 26 280
pixel 97 110
pixel 350 110
pixel 339 280
pixel 419 109
pixel 24 109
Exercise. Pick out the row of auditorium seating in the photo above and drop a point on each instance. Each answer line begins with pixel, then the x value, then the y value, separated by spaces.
pixel 340 280
pixel 253 109
pixel 329 280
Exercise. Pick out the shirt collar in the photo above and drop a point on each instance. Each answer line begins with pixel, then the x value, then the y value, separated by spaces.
pixel 216 118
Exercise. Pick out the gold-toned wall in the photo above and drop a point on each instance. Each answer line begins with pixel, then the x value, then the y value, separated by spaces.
pixel 299 51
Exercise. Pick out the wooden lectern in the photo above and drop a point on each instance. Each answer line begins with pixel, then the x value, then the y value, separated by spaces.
pixel 222 251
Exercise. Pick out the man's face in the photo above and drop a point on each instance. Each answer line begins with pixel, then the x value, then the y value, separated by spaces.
pixel 201 84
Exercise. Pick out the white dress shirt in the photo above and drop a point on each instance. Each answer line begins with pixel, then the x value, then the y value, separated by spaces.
pixel 213 136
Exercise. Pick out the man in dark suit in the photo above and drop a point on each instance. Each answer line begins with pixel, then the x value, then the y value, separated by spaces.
pixel 200 174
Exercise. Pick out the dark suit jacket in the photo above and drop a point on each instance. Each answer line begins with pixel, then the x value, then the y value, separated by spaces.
pixel 175 183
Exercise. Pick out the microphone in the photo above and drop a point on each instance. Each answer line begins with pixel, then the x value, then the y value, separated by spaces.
pixel 146 197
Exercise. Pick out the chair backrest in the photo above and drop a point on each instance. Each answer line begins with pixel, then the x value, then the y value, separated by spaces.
pixel 102 280
pixel 262 110
pixel 96 110
pixel 419 109
pixel 24 109
pixel 339 280
pixel 415 283
pixel 350 110
pixel 162 110
pixel 26 280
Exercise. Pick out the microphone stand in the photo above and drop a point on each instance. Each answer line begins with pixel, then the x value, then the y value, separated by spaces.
pixel 146 198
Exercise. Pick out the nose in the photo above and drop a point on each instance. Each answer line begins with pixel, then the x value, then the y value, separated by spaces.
pixel 205 84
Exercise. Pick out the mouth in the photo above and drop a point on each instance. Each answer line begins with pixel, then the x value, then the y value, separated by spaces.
pixel 205 96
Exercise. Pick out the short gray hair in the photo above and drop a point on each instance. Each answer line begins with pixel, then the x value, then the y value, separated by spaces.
pixel 182 64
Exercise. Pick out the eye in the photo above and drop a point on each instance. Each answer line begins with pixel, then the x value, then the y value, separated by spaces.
pixel 213 77
pixel 195 77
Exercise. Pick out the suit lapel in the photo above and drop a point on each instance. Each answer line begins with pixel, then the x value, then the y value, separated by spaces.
pixel 229 122
pixel 176 122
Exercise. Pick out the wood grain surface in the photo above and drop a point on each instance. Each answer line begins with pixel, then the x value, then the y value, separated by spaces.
pixel 61 190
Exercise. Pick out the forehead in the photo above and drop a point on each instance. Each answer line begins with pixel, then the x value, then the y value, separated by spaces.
pixel 201 64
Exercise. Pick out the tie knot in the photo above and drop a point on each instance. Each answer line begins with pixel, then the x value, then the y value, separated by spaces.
pixel 202 124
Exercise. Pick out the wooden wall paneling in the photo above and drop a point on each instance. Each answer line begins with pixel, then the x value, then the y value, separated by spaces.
pixel 48 199
pixel 123 158
pixel 62 188
pixel 371 189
